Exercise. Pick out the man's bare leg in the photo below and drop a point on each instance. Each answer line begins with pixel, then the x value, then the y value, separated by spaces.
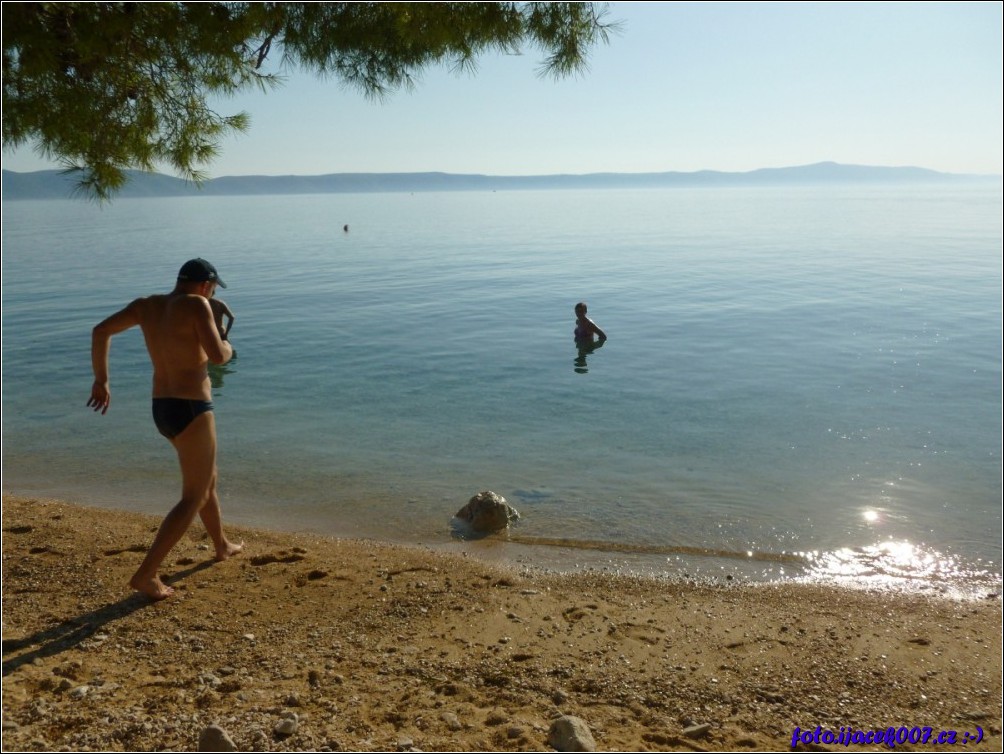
pixel 213 521
pixel 196 447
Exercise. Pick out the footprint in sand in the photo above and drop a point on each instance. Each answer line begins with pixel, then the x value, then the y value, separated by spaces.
pixel 132 548
pixel 573 614
pixel 43 549
pixel 313 575
pixel 642 633
pixel 282 556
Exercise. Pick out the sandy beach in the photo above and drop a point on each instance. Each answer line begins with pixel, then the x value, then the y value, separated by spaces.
pixel 306 643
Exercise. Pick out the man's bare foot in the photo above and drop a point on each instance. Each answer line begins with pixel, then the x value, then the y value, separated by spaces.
pixel 153 587
pixel 228 549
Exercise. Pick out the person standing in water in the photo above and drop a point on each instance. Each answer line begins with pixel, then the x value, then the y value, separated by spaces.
pixel 182 339
pixel 585 328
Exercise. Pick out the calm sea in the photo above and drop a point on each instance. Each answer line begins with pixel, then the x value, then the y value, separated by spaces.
pixel 798 382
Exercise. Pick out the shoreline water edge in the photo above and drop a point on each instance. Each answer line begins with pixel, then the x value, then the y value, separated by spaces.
pixel 317 643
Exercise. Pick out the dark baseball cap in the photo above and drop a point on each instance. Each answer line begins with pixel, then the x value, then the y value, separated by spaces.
pixel 200 271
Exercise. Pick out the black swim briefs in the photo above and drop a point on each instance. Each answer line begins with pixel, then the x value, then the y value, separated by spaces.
pixel 173 415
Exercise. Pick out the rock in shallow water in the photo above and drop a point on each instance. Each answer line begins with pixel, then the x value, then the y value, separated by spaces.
pixel 487 511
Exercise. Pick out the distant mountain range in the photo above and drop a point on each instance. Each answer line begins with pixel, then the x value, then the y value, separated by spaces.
pixel 54 184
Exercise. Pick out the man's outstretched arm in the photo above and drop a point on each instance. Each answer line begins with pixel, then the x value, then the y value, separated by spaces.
pixel 101 340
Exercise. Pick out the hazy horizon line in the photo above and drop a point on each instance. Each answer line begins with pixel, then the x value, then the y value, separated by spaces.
pixel 821 163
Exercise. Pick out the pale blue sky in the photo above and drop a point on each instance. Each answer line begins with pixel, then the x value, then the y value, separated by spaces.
pixel 684 86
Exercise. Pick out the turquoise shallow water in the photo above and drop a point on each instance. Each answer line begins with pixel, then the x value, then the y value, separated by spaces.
pixel 798 382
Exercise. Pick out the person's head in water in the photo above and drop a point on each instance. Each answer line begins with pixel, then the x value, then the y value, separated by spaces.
pixel 580 309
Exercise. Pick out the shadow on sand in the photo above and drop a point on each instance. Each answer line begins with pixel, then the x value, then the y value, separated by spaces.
pixel 72 631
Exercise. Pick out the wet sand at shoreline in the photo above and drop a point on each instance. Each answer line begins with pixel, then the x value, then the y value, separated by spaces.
pixel 308 643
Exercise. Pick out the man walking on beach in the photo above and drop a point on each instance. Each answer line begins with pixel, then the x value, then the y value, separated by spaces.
pixel 182 338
